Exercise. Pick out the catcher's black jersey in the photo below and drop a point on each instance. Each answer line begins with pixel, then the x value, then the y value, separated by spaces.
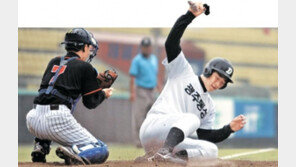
pixel 75 78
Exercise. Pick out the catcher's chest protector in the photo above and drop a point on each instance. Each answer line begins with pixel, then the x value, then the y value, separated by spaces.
pixel 50 89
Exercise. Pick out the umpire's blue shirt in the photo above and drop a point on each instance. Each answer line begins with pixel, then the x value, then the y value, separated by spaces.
pixel 145 70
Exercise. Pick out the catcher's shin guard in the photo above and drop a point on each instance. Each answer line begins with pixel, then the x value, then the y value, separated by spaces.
pixel 41 149
pixel 95 153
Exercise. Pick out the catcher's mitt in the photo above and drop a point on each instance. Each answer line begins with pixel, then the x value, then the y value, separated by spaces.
pixel 107 78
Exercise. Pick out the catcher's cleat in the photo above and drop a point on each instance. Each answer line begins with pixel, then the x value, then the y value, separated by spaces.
pixel 163 155
pixel 38 156
pixel 69 156
pixel 41 149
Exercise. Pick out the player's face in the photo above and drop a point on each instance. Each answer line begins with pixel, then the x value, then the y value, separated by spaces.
pixel 86 52
pixel 146 50
pixel 215 82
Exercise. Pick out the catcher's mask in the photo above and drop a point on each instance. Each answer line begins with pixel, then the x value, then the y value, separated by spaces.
pixel 222 66
pixel 76 38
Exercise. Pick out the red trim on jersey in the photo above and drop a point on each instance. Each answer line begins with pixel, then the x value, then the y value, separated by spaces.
pixel 94 91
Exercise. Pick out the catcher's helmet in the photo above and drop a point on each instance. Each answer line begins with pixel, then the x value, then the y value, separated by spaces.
pixel 222 66
pixel 76 38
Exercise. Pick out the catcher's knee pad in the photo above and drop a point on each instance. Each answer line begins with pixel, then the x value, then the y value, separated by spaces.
pixel 94 153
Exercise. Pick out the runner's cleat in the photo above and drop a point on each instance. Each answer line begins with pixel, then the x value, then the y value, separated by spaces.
pixel 163 155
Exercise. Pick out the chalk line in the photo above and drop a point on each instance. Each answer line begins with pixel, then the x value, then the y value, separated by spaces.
pixel 247 153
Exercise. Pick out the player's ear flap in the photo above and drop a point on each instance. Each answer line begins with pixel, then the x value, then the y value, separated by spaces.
pixel 207 72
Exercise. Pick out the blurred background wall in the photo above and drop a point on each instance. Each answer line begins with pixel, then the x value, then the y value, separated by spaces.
pixel 253 52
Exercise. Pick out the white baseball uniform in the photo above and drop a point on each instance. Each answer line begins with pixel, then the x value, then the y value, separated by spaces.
pixel 182 104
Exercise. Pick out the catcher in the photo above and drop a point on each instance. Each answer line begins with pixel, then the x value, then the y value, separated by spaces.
pixel 65 80
pixel 179 124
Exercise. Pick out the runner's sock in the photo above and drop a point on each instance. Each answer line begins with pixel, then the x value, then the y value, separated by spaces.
pixel 174 137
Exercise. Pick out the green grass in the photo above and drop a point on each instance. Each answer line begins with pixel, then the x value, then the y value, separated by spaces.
pixel 116 152
pixel 267 156
pixel 129 152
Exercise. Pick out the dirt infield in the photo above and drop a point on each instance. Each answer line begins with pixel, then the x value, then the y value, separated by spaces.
pixel 212 163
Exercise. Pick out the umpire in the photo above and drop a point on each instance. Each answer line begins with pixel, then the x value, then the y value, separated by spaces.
pixel 143 72
pixel 65 80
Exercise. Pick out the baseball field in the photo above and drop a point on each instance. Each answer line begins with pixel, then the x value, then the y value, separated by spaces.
pixel 124 155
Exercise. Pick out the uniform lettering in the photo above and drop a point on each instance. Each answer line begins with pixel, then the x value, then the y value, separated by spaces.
pixel 196 98
pixel 55 69
pixel 189 90
pixel 200 105
pixel 203 113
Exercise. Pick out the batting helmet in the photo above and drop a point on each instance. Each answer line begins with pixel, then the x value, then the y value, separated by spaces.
pixel 221 66
pixel 76 38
